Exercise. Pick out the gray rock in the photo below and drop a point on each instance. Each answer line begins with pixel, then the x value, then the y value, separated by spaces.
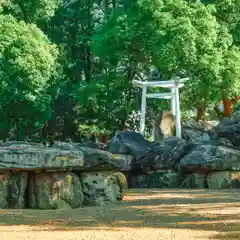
pixel 206 158
pixel 203 138
pixel 232 133
pixel 223 179
pixel 102 187
pixel 129 143
pixel 166 155
pixel 160 179
pixel 164 179
pixel 224 142
pixel 195 180
pixel 236 113
pixel 193 131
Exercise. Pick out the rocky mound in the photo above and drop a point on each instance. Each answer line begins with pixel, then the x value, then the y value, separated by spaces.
pixel 203 150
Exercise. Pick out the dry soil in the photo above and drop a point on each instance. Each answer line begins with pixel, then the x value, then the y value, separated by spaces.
pixel 145 214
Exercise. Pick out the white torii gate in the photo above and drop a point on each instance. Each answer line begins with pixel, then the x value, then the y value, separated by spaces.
pixel 174 85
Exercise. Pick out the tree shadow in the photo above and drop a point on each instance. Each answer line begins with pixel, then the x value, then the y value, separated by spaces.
pixel 203 210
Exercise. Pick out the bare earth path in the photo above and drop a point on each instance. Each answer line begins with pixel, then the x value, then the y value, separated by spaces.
pixel 144 215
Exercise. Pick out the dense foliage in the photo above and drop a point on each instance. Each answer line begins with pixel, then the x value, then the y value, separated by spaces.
pixel 67 66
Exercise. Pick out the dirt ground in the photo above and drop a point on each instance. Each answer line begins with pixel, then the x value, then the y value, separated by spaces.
pixel 144 214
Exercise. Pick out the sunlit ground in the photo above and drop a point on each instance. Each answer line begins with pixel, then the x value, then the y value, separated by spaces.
pixel 144 214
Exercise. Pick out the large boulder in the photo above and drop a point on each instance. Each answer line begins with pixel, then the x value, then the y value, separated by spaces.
pixel 12 189
pixel 229 127
pixel 102 187
pixel 223 179
pixel 232 133
pixel 208 158
pixel 166 155
pixel 55 191
pixel 196 131
pixel 132 143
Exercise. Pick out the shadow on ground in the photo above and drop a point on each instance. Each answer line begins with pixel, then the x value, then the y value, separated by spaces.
pixel 204 210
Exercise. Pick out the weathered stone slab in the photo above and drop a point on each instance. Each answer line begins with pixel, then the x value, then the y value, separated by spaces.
pixel 23 156
pixel 102 187
pixel 195 180
pixel 224 179
pixel 55 191
pixel 21 144
pixel 97 159
pixel 62 156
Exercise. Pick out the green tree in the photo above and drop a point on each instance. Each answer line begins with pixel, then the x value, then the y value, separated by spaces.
pixel 178 37
pixel 30 11
pixel 93 91
pixel 28 77
pixel 227 13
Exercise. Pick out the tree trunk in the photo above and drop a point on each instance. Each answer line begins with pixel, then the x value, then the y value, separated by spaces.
pixel 106 5
pixel 114 4
pixel 200 113
pixel 228 106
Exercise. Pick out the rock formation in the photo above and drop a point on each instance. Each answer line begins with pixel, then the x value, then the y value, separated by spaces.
pixel 72 175
pixel 205 152
pixel 66 175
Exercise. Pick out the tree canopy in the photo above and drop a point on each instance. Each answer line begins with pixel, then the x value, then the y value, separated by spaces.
pixel 28 71
pixel 67 66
